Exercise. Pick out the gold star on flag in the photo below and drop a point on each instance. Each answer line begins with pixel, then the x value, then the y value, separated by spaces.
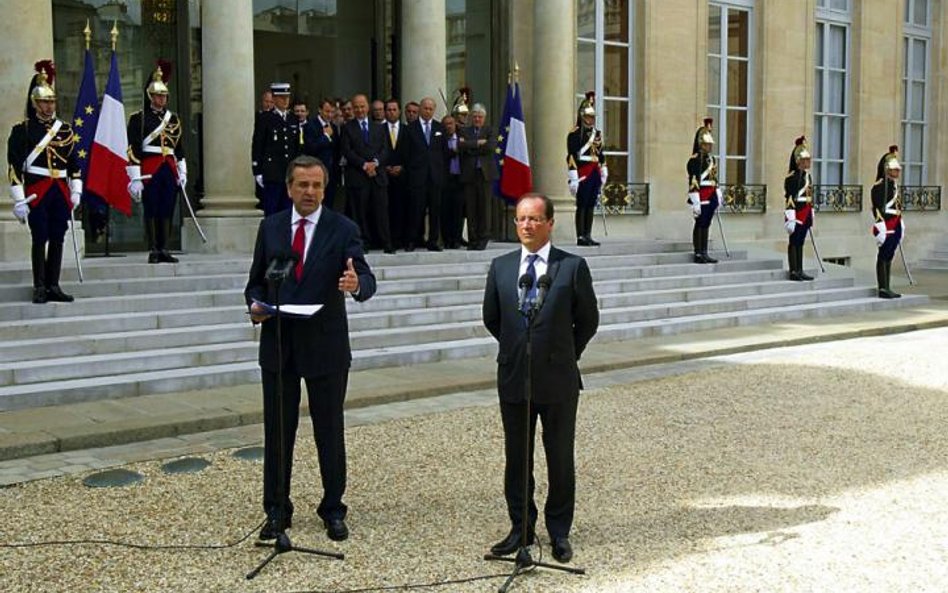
pixel 90 109
pixel 82 153
pixel 78 122
pixel 76 138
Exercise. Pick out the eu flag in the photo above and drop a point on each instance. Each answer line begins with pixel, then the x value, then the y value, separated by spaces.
pixel 84 122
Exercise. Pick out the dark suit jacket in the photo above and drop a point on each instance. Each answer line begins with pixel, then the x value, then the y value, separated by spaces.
pixel 470 152
pixel 358 152
pixel 317 345
pixel 398 154
pixel 568 320
pixel 317 144
pixel 276 142
pixel 426 161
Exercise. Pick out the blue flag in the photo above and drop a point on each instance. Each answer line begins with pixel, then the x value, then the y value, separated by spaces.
pixel 84 123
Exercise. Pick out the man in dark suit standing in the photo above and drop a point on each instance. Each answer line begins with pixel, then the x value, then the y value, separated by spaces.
pixel 365 147
pixel 478 170
pixel 426 158
pixel 322 142
pixel 330 265
pixel 564 325
pixel 452 198
pixel 397 174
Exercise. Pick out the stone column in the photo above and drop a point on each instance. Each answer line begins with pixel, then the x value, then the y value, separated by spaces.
pixel 28 39
pixel 424 51
pixel 554 59
pixel 229 218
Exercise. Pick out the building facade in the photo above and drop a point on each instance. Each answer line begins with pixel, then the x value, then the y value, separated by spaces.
pixel 854 76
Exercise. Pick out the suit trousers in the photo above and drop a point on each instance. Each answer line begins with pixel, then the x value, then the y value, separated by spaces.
pixel 425 197
pixel 452 211
pixel 477 201
pixel 559 435
pixel 371 201
pixel 326 394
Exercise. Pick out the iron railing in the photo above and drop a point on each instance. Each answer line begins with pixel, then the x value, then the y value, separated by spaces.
pixel 624 198
pixel 921 198
pixel 744 199
pixel 837 198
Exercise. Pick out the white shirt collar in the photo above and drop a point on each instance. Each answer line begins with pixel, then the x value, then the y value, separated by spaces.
pixel 543 252
pixel 313 216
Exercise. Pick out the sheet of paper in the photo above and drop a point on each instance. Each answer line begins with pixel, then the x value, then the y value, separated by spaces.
pixel 291 310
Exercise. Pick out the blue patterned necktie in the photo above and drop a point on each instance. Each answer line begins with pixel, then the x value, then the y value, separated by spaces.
pixel 427 132
pixel 365 131
pixel 531 296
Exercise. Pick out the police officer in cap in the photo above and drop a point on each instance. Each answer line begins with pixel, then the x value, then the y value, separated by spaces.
pixel 41 162
pixel 798 216
pixel 275 144
pixel 157 166
pixel 889 228
pixel 587 167
pixel 703 193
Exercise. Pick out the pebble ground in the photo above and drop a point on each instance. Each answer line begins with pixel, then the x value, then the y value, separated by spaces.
pixel 812 468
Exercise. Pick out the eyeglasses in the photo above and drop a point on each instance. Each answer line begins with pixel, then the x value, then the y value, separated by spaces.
pixel 525 220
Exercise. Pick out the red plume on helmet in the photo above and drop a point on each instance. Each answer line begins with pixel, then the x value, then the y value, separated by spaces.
pixel 46 66
pixel 708 122
pixel 165 66
pixel 799 141
pixel 894 148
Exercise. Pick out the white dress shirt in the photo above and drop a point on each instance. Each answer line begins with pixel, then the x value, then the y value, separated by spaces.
pixel 540 265
pixel 310 230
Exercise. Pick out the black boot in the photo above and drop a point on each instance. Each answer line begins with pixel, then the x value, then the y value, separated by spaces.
pixel 803 275
pixel 882 279
pixel 588 220
pixel 163 226
pixel 151 240
pixel 888 280
pixel 705 232
pixel 38 257
pixel 54 264
pixel 581 226
pixel 696 244
pixel 792 263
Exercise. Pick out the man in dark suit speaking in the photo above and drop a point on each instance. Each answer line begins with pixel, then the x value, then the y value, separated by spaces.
pixel 564 325
pixel 330 264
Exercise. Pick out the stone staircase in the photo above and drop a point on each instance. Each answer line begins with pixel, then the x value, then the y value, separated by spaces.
pixel 138 329
pixel 937 259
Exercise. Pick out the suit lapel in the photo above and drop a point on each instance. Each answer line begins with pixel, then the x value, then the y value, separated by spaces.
pixel 553 266
pixel 321 239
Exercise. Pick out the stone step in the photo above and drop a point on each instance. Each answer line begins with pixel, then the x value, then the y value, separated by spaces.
pixel 933 263
pixel 183 379
pixel 124 304
pixel 431 335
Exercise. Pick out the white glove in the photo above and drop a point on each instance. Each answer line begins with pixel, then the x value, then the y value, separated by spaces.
pixel 720 196
pixel 878 230
pixel 696 210
pixel 75 192
pixel 790 226
pixel 21 210
pixel 17 193
pixel 902 223
pixel 604 174
pixel 790 220
pixel 573 181
pixel 182 173
pixel 259 180
pixel 135 185
pixel 694 198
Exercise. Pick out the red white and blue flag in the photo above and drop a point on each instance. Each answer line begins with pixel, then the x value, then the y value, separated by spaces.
pixel 513 158
pixel 107 177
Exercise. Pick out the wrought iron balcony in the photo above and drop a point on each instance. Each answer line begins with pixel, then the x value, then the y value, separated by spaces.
pixel 624 198
pixel 921 198
pixel 837 198
pixel 744 199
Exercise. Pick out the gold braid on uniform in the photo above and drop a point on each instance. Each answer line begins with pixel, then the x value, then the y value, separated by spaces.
pixel 63 142
pixel 172 132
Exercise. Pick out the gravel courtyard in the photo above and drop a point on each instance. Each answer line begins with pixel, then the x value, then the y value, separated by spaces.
pixel 814 468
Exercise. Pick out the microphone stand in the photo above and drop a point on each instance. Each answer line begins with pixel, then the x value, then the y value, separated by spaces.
pixel 282 544
pixel 523 561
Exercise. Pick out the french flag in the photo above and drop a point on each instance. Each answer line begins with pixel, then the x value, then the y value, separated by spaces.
pixel 107 176
pixel 516 177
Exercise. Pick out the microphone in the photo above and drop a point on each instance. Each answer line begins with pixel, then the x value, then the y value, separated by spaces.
pixel 543 286
pixel 281 265
pixel 523 287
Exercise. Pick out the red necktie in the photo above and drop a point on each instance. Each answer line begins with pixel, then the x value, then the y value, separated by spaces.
pixel 299 243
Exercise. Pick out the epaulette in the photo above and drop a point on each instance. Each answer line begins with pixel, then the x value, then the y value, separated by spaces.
pixel 134 113
pixel 694 155
pixel 574 129
pixel 790 174
pixel 878 182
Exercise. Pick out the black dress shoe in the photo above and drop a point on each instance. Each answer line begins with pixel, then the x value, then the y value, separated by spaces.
pixel 336 529
pixel 582 242
pixel 410 247
pixel 56 295
pixel 562 550
pixel 153 258
pixel 274 527
pixel 805 276
pixel 592 242
pixel 166 258
pixel 511 543
pixel 708 259
pixel 482 246
pixel 699 258
pixel 39 295
pixel 433 247
pixel 389 250
pixel 795 277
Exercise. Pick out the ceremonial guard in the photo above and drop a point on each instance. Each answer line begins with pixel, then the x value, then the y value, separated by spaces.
pixel 41 161
pixel 587 168
pixel 156 163
pixel 887 209
pixel 276 142
pixel 703 193
pixel 461 108
pixel 798 216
